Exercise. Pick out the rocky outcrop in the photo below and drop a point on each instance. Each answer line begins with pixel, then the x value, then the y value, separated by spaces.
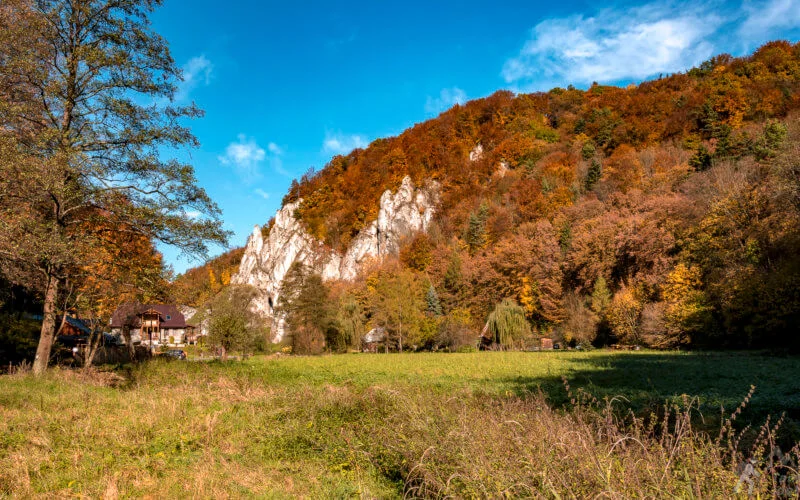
pixel 266 261
pixel 407 211
pixel 476 153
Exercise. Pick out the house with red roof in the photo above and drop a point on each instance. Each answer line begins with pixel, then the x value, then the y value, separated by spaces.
pixel 153 324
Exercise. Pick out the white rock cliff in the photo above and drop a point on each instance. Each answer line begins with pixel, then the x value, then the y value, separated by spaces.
pixel 266 262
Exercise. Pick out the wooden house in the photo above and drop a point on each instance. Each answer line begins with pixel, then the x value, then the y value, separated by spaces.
pixel 153 324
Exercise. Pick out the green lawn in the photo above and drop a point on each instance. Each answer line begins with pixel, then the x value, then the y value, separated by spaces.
pixel 645 378
pixel 372 425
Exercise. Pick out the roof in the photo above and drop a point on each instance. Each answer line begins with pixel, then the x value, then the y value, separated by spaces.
pixel 171 316
pixel 79 325
pixel 375 335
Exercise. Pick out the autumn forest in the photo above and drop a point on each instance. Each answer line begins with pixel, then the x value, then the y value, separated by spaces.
pixel 665 214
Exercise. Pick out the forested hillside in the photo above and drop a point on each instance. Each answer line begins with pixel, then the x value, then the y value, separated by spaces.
pixel 199 284
pixel 661 214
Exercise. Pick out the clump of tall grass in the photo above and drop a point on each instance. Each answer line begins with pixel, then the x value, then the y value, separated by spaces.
pixel 525 447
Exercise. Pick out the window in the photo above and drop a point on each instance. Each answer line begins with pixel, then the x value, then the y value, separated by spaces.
pixel 169 317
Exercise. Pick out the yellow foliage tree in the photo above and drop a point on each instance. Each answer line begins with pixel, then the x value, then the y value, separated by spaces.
pixel 623 315
pixel 687 310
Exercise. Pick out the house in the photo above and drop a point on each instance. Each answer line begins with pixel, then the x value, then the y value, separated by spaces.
pixel 152 324
pixel 373 339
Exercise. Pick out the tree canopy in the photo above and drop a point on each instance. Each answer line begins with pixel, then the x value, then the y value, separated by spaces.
pixel 88 111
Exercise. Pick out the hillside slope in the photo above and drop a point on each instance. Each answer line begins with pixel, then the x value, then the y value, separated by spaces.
pixel 662 214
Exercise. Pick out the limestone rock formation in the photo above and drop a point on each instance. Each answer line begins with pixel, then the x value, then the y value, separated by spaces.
pixel 266 262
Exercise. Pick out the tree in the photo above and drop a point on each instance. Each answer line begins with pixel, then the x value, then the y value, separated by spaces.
pixel 417 254
pixel 350 321
pixel 593 175
pixel 601 297
pixel 623 315
pixel 231 323
pixel 476 229
pixel 395 303
pixel 304 306
pixel 125 269
pixel 507 323
pixel 99 89
pixel 455 330
pixel 580 324
pixel 432 301
pixel 687 309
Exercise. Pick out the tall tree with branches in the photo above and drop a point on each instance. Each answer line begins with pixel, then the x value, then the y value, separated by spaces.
pixel 90 113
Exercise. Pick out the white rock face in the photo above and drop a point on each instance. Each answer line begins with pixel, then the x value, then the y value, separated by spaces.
pixel 476 153
pixel 265 263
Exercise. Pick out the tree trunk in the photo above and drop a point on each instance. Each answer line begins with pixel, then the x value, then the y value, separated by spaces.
pixel 400 333
pixel 91 349
pixel 126 335
pixel 224 354
pixel 48 333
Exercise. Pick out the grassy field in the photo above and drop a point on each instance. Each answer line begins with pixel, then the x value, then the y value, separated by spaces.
pixel 476 424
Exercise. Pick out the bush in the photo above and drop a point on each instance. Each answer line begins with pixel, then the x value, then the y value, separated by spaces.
pixel 307 339
pixel 455 330
pixel 18 338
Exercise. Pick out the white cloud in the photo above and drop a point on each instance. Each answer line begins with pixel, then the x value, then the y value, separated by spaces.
pixel 245 156
pixel 197 71
pixel 341 144
pixel 447 99
pixel 763 18
pixel 614 45
pixel 260 192
pixel 274 149
pixel 192 214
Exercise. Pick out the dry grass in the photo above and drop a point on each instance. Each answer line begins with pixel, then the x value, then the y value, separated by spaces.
pixel 367 426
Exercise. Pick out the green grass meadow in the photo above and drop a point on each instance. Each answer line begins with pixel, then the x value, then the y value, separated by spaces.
pixel 482 424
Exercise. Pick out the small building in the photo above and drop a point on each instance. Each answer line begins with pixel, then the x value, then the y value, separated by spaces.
pixel 74 327
pixel 547 344
pixel 373 339
pixel 152 324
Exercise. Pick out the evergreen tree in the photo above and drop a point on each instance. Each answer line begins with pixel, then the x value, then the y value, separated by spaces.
pixel 593 175
pixel 303 303
pixel 476 230
pixel 432 301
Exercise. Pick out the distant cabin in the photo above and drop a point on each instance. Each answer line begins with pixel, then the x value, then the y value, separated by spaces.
pixel 153 324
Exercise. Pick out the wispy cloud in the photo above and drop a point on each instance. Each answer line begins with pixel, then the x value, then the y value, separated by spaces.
pixel 260 192
pixel 341 144
pixel 192 214
pixel 197 71
pixel 614 45
pixel 447 98
pixel 763 18
pixel 245 156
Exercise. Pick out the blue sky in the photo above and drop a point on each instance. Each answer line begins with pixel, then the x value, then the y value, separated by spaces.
pixel 286 85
